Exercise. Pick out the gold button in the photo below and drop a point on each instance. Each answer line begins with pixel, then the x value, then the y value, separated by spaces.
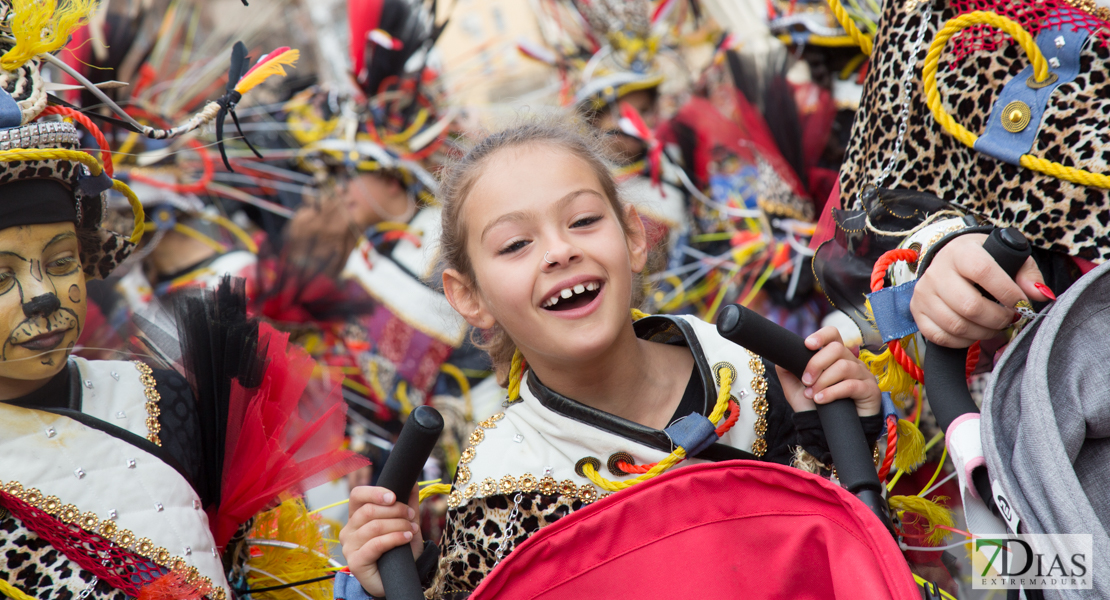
pixel 1016 116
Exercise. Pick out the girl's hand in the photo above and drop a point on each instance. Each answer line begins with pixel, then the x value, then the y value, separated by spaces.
pixel 949 310
pixel 376 524
pixel 832 374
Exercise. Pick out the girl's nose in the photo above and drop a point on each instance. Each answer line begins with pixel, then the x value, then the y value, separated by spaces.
pixel 558 255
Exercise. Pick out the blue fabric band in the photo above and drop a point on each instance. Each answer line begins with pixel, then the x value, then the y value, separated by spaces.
pixel 10 115
pixel 348 588
pixel 888 407
pixel 693 433
pixel 1006 146
pixel 891 307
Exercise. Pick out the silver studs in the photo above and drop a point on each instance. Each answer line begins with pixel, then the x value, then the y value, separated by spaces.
pixel 131 463
pixel 50 432
pixel 79 473
pixel 215 553
pixel 188 551
pixel 196 504
pixel 88 383
pixel 547 471
pixel 121 415
pixel 742 393
pixel 518 438
pixel 1059 41
pixel 1055 62
pixel 112 514
pixel 115 375
pixel 158 507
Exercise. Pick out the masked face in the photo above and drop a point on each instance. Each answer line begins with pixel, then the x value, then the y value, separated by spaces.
pixel 42 301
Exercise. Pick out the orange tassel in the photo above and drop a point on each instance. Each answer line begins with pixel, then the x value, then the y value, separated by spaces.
pixel 273 65
pixel 171 586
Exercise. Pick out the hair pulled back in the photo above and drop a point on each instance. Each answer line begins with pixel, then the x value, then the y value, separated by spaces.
pixel 459 179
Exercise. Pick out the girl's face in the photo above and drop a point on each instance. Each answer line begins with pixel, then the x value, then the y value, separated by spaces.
pixel 539 200
pixel 42 299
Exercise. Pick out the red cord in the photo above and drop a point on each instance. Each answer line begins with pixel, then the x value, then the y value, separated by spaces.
pixel 105 149
pixel 891 445
pixel 972 359
pixel 878 273
pixel 905 361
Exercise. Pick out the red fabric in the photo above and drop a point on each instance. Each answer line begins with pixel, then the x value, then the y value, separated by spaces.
pixel 737 529
pixel 283 438
pixel 363 16
pixel 826 227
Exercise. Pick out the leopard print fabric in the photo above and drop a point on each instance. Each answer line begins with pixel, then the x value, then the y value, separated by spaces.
pixel 1054 214
pixel 479 528
pixel 32 565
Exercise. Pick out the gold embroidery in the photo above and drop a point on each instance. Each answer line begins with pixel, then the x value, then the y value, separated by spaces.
pixel 508 484
pixel 467 456
pixel 109 530
pixel 547 485
pixel 568 488
pixel 153 426
pixel 462 475
pixel 489 486
pixel 528 483
pixel 759 404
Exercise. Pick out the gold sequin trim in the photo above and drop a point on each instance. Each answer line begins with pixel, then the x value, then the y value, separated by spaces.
pixel 153 426
pixel 465 489
pixel 759 404
pixel 109 530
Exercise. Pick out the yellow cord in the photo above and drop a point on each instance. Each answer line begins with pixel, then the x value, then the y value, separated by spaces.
pixel 1040 73
pixel 940 467
pixel 13 592
pixel 464 386
pixel 234 229
pixel 434 489
pixel 862 39
pixel 136 209
pixel 402 394
pixel 187 231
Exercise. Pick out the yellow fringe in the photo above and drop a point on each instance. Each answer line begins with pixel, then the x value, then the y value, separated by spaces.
pixel 274 65
pixel 932 512
pixel 911 447
pixel 434 490
pixel 13 592
pixel 290 522
pixel 891 376
pixel 41 26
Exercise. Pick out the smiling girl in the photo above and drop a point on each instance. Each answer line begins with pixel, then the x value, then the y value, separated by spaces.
pixel 542 256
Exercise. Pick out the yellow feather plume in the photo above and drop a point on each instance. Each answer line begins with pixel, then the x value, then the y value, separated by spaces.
pixel 434 489
pixel 911 447
pixel 274 65
pixel 933 513
pixel 42 26
pixel 267 566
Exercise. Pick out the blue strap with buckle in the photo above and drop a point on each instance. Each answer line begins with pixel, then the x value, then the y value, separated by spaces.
pixel 692 433
pixel 1062 50
pixel 891 307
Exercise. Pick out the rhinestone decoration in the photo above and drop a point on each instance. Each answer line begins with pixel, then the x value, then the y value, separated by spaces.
pixel 527 483
pixel 518 438
pixel 121 415
pixel 196 504
pixel 158 507
pixel 1059 41
pixel 462 476
pixel 488 486
pixel 130 463
pixel 79 473
pixel 88 383
pixel 188 551
pixel 508 484
pixel 50 432
pixel 759 405
pixel 153 426
pixel 114 375
pixel 548 485
pixel 112 514
pixel 1055 62
pixel 568 488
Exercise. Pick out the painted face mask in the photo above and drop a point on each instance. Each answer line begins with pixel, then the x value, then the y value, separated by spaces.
pixel 42 285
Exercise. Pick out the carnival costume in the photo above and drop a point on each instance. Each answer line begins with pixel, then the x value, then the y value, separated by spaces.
pixel 122 478
pixel 546 455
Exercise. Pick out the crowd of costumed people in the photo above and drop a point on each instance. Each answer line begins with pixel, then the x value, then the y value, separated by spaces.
pixel 352 299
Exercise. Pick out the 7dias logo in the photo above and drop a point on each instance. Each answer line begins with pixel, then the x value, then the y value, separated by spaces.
pixel 1032 562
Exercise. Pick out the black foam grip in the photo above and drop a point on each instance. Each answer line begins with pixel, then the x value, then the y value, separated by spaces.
pixel 945 381
pixel 401 471
pixel 854 464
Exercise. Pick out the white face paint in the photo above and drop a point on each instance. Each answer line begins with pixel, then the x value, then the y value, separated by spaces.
pixel 42 303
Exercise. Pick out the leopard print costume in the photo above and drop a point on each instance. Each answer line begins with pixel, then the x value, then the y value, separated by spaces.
pixel 1054 214
pixel 32 565
pixel 476 532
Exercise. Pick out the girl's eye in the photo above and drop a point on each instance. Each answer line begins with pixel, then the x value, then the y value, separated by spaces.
pixel 513 247
pixel 6 281
pixel 585 221
pixel 62 266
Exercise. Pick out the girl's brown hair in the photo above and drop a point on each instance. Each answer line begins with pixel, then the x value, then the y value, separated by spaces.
pixel 459 179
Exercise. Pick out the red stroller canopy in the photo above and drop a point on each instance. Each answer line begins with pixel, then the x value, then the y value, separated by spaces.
pixel 736 529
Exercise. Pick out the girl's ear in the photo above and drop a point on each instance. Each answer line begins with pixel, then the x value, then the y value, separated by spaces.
pixel 637 238
pixel 463 296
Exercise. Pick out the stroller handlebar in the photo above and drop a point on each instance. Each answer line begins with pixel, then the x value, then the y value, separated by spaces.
pixel 402 469
pixel 851 454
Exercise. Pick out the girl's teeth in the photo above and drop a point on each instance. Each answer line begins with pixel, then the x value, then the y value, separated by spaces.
pixel 567 293
pixel 578 289
pixel 591 286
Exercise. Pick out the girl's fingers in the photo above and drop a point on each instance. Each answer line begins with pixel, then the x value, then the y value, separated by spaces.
pixel 378 528
pixel 824 359
pixel 370 512
pixel 934 333
pixel 962 298
pixel 959 327
pixel 370 552
pixel 864 394
pixel 841 370
pixel 794 391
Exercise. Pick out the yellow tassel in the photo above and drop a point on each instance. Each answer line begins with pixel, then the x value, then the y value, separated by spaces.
pixel 274 65
pixel 891 376
pixel 267 566
pixel 933 513
pixel 911 447
pixel 41 26
pixel 434 489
